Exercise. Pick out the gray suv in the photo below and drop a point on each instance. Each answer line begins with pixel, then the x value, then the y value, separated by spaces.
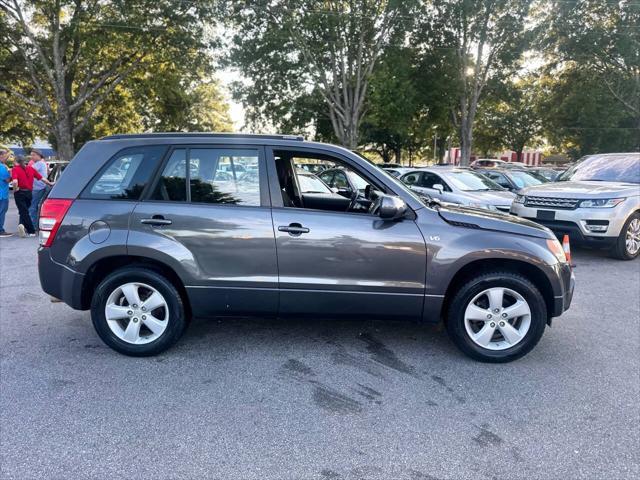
pixel 148 231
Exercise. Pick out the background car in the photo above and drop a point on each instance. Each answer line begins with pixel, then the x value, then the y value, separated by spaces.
pixel 344 181
pixel 55 170
pixel 595 202
pixel 312 167
pixel 549 173
pixel 511 179
pixel 398 171
pixel 519 165
pixel 487 163
pixel 461 186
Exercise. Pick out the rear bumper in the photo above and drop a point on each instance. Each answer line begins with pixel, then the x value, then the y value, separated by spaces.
pixel 60 281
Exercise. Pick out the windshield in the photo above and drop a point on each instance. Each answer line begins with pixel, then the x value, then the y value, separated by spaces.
pixel 524 179
pixel 470 181
pixel 605 168
pixel 358 182
pixel 312 184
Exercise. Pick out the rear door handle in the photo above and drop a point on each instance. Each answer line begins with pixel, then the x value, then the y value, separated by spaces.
pixel 293 229
pixel 156 221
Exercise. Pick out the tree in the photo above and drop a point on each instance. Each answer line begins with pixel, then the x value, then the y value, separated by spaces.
pixel 65 58
pixel 486 37
pixel 388 124
pixel 293 51
pixel 509 119
pixel 601 38
pixel 580 116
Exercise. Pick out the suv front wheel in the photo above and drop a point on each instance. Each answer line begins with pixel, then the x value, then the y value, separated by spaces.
pixel 137 312
pixel 627 246
pixel 497 317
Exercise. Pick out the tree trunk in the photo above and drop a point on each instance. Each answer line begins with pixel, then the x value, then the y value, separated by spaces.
pixel 64 139
pixel 466 142
pixel 398 152
pixel 519 155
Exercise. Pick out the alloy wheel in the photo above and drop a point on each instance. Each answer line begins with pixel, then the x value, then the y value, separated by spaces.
pixel 497 318
pixel 633 237
pixel 137 313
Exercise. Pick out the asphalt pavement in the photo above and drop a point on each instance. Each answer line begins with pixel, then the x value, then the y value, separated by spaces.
pixel 264 399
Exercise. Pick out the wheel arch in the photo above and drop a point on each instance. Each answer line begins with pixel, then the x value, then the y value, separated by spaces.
pixel 476 267
pixel 107 265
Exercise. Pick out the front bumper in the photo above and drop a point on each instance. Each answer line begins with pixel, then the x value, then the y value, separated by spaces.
pixel 579 224
pixel 60 281
pixel 562 302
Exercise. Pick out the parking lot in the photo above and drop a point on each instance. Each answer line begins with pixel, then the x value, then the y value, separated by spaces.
pixel 329 400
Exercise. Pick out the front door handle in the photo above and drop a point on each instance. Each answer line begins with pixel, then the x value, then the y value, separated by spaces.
pixel 156 221
pixel 294 229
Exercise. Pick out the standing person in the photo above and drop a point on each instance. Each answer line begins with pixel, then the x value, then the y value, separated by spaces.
pixel 23 176
pixel 36 161
pixel 5 179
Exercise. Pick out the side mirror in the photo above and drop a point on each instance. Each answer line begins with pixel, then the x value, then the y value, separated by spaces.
pixel 439 187
pixel 390 207
pixel 334 190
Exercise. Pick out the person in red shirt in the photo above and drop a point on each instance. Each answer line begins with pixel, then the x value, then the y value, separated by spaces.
pixel 23 176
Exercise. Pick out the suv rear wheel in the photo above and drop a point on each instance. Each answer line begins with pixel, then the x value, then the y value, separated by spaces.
pixel 497 317
pixel 627 246
pixel 137 312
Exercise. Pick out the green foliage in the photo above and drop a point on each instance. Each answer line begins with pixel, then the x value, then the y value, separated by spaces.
pixel 597 44
pixel 581 117
pixel 508 118
pixel 295 52
pixel 76 69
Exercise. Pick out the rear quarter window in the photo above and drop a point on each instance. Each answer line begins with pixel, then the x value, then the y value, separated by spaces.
pixel 126 174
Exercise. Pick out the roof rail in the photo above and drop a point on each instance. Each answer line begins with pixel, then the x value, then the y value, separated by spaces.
pixel 202 135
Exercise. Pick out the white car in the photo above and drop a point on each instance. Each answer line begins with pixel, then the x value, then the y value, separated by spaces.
pixel 596 202
pixel 461 186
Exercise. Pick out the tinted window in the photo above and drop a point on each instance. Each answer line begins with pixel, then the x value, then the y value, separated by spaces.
pixel 430 179
pixel 172 185
pixel 327 178
pixel 340 180
pixel 126 174
pixel 499 178
pixel 223 176
pixel 411 179
pixel 606 168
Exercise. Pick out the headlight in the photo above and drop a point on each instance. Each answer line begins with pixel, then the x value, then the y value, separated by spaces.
pixel 601 203
pixel 519 199
pixel 556 248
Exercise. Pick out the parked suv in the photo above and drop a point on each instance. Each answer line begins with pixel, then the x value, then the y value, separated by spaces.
pixel 181 233
pixel 596 202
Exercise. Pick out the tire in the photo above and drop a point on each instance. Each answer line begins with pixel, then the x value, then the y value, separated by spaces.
pixel 620 250
pixel 529 327
pixel 161 327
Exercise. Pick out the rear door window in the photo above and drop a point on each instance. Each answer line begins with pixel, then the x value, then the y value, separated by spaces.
pixel 215 175
pixel 172 184
pixel 223 176
pixel 126 175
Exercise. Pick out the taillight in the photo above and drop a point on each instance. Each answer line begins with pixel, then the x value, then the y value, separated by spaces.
pixel 52 213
